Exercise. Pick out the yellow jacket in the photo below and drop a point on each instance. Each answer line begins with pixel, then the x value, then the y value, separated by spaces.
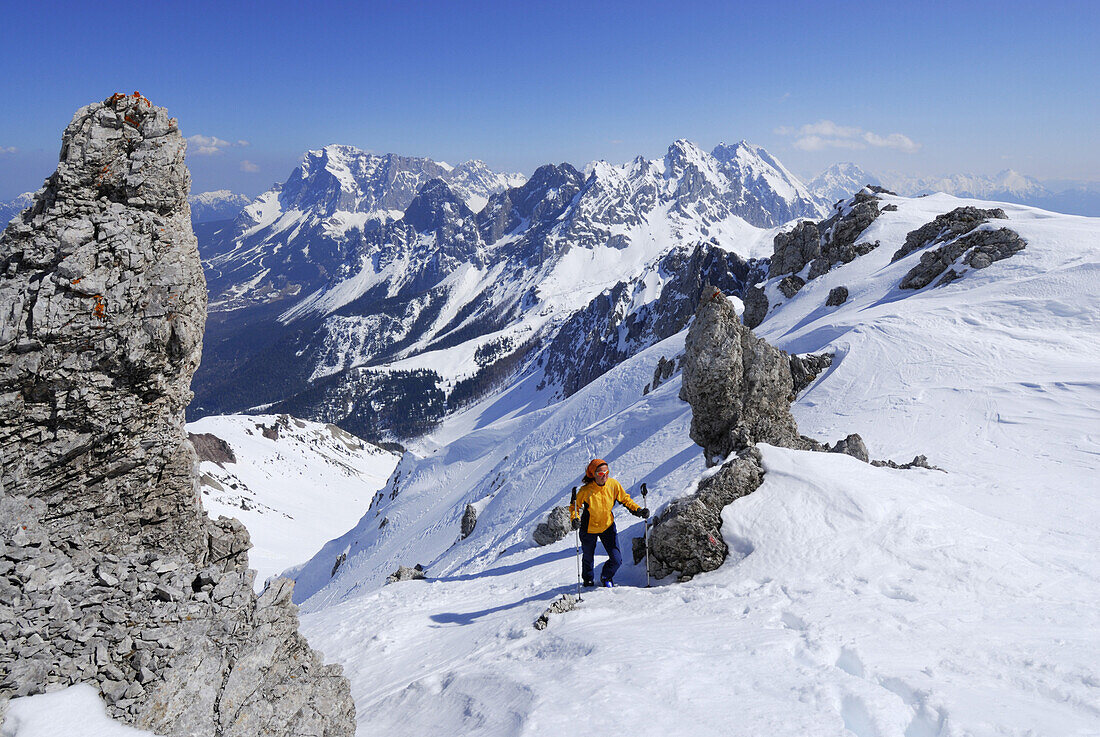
pixel 600 500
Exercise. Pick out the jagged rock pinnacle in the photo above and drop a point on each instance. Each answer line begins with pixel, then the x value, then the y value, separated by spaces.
pixel 130 586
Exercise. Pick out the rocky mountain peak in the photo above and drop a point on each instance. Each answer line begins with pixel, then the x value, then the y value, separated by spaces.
pixel 684 156
pixel 541 198
pixel 434 206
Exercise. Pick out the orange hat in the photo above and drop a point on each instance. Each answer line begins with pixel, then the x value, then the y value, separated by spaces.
pixel 590 472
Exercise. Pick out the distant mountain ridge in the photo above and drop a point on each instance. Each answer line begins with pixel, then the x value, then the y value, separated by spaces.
pixel 841 181
pixel 362 276
pixel 11 208
pixel 220 204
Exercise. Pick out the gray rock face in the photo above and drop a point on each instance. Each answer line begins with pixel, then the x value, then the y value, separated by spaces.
pixel 817 245
pixel 840 233
pixel 664 371
pixel 687 536
pixel 404 573
pixel 740 388
pixel 920 461
pixel 209 447
pixel 832 241
pixel 837 296
pixel 554 528
pixel 790 285
pixel 100 331
pixel 806 368
pixel 469 520
pixel 792 251
pixel 982 247
pixel 945 227
pixel 116 575
pixel 854 446
pixel 756 307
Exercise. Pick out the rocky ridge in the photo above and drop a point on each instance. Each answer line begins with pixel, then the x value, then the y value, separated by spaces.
pixel 113 574
pixel 812 249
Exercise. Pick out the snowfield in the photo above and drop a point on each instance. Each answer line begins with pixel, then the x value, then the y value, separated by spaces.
pixel 856 600
pixel 293 491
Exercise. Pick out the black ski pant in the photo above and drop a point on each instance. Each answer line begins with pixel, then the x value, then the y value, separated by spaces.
pixel 610 541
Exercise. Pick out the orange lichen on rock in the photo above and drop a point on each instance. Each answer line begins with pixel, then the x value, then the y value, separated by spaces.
pixel 118 97
pixel 100 309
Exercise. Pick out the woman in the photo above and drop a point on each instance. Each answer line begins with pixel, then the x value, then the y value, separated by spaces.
pixel 597 522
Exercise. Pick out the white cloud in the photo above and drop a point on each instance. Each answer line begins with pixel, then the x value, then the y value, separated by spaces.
pixel 201 145
pixel 248 166
pixel 826 134
pixel 8 149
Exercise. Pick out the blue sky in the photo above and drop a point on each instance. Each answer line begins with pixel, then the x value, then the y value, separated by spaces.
pixel 924 88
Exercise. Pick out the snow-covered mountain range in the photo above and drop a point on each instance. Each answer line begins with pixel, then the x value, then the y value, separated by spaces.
pixel 841 181
pixel 381 300
pixel 220 204
pixel 871 600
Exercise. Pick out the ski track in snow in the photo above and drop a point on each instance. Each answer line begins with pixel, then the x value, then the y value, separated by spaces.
pixel 856 600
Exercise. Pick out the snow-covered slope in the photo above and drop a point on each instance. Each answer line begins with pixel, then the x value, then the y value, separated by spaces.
pixel 294 484
pixel 76 710
pixel 858 600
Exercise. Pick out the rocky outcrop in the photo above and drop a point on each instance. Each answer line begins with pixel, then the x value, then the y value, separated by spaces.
pixel 982 248
pixel 564 603
pixel 665 369
pixel 469 520
pixel 554 528
pixel 404 573
pixel 946 227
pixel 687 536
pixel 739 387
pixel 806 368
pixel 854 446
pixel 114 574
pixel 837 296
pixel 791 285
pixel 756 307
pixel 832 241
pixel 209 447
pixel 920 461
pixel 792 251
pixel 818 246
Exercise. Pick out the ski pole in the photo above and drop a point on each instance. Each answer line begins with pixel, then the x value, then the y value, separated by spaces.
pixel 576 541
pixel 645 522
